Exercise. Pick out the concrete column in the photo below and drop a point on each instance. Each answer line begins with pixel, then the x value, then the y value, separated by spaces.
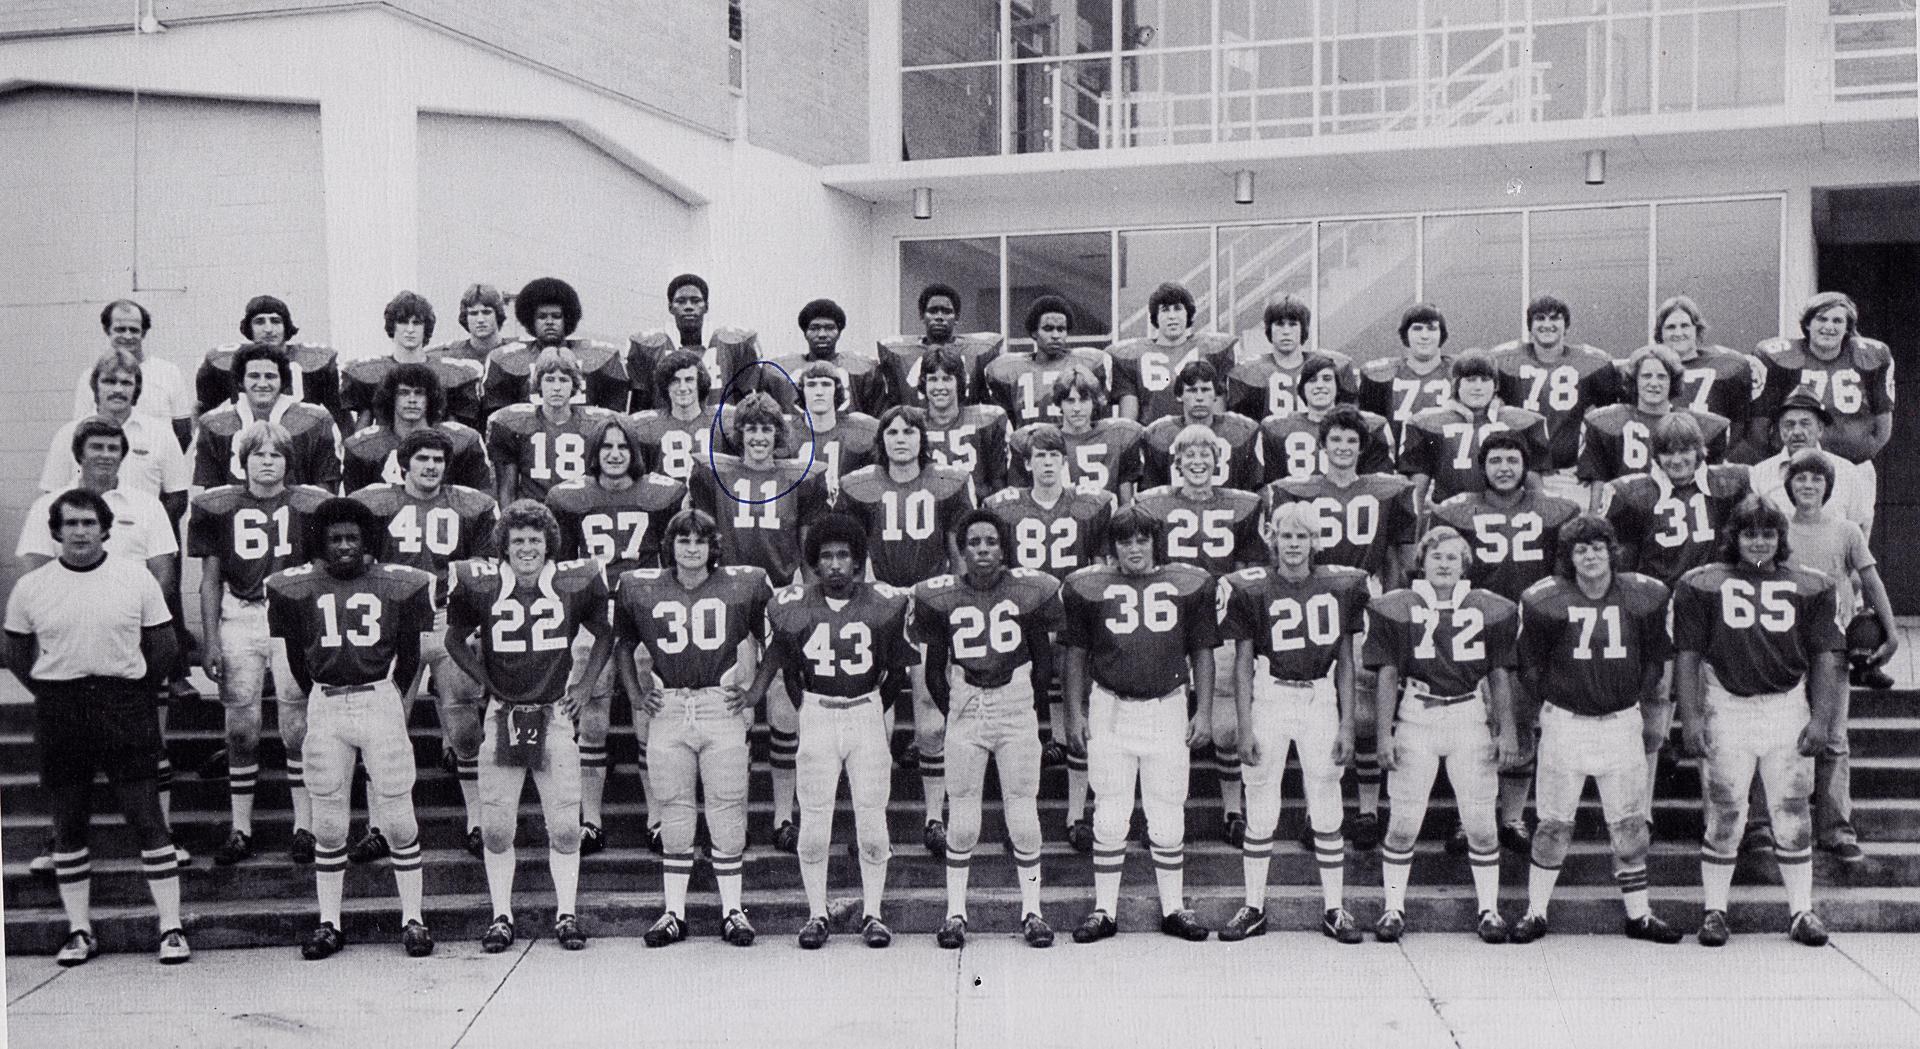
pixel 883 81
pixel 369 140
pixel 1799 264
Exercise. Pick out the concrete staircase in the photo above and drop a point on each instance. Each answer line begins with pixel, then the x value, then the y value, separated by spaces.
pixel 267 900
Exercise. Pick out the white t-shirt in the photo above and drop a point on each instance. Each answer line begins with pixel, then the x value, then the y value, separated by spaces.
pixel 154 463
pixel 1835 546
pixel 140 528
pixel 164 392
pixel 87 622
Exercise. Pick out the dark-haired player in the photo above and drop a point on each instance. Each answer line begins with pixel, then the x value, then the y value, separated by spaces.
pixel 970 436
pixel 1440 448
pixel 677 434
pixel 903 357
pixel 1434 646
pixel 863 383
pixel 725 356
pixel 313 369
pixel 1266 385
pixel 242 534
pixel 1145 371
pixel 983 628
pixel 1290 443
pixel 262 376
pixel 697 627
pixel 1197 390
pixel 841 639
pixel 834 441
pixel 352 627
pixel 1561 382
pixel 410 398
pixel 1137 632
pixel 1593 642
pixel 1713 378
pixel 1103 454
pixel 1403 386
pixel 1300 620
pixel 535 446
pixel 1849 374
pixel 527 610
pixel 548 310
pixel 1022 383
pixel 1617 440
pixel 1758 672
pixel 409 320
pixel 759 502
pixel 483 316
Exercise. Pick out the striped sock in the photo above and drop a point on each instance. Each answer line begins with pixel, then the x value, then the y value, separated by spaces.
pixel 162 868
pixel 74 871
pixel 1169 875
pixel 933 785
pixel 726 875
pixel 240 783
pixel 1027 869
pixel 1226 765
pixel 1108 859
pixel 1256 860
pixel 958 865
pixel 407 879
pixel 163 782
pixel 1330 853
pixel 330 879
pixel 1367 778
pixel 677 867
pixel 593 783
pixel 1633 892
pixel 467 771
pixel 302 801
pixel 783 749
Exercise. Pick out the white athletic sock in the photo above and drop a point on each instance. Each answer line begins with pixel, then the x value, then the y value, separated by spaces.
pixel 1636 903
pixel 410 885
pixel 1716 884
pixel 565 869
pixel 1027 869
pixel 500 868
pixel 1486 883
pixel 729 892
pixel 468 773
pixel 1253 871
pixel 957 869
pixel 813 875
pixel 1076 790
pixel 1333 881
pixel 162 868
pixel 1106 891
pixel 933 785
pixel 677 871
pixel 1540 883
pixel 873 886
pixel 1798 880
pixel 330 884
pixel 1169 876
pixel 1394 878
pixel 74 870
pixel 783 790
pixel 240 786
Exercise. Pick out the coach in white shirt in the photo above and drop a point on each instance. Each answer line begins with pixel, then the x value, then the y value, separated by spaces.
pixel 167 396
pixel 154 464
pixel 1800 423
pixel 140 531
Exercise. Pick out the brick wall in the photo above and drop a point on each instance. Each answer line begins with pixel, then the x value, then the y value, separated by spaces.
pixel 807 78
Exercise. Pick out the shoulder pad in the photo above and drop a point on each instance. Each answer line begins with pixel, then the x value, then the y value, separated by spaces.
pixel 1775 346
pixel 1250 574
pixel 727 335
pixel 1004 495
pixel 378 496
pixel 470 499
pixel 927 586
pixel 1235 423
pixel 218 501
pixel 889 591
pixel 306 497
pixel 1019 572
pixel 653 339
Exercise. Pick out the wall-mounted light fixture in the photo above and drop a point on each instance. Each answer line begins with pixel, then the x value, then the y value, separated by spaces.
pixel 1596 167
pixel 1243 186
pixel 923 202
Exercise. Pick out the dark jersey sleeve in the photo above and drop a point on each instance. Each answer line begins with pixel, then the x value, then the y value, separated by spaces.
pixel 1692 618
pixel 1202 621
pixel 1383 640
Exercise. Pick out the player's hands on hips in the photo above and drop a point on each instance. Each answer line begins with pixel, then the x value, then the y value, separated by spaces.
pixel 1343 748
pixel 1200 730
pixel 1813 738
pixel 214 663
pixel 736 698
pixel 652 702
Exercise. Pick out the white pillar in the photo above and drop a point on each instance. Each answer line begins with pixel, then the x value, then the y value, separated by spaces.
pixel 883 81
pixel 369 141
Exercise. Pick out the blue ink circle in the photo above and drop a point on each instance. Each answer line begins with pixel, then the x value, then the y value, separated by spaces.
pixel 715 432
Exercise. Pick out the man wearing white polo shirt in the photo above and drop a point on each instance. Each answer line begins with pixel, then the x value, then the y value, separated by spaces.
pixel 155 463
pixel 168 397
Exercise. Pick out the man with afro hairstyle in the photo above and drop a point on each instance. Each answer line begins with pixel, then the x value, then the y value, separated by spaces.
pixel 548 310
pixel 409 320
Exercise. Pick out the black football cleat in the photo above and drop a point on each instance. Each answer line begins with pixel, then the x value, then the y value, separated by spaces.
pixel 1808 929
pixel 1366 832
pixel 952 934
pixel 323 942
pixel 1713 929
pixel 371 846
pixel 1184 924
pixel 1649 928
pixel 568 933
pixel 667 929
pixel 737 930
pixel 1338 925
pixel 1391 926
pixel 1531 927
pixel 499 935
pixel 786 837
pixel 1096 926
pixel 1080 836
pixel 1247 922
pixel 813 935
pixel 1492 927
pixel 875 933
pixel 1035 930
pixel 416 939
pixel 592 839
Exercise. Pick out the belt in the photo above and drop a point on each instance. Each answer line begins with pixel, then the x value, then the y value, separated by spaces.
pixel 1594 717
pixel 830 703
pixel 967 676
pixel 1291 683
pixel 261 600
pixel 1130 697
pixel 347 690
pixel 1434 700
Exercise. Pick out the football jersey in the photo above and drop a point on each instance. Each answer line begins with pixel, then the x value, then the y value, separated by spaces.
pixel 1594 651
pixel 1448 647
pixel 315 369
pixel 464 349
pixel 429 534
pixel 1618 440
pixel 845 651
pixel 1060 539
pixel 1513 547
pixel 672 445
pixel 837 452
pixel 543 453
pixel 694 636
pixel 1146 369
pixel 1138 630
pixel 1290 447
pixel 253 537
pixel 1022 383
pixel 1666 530
pixel 314 458
pixel 987 632
pixel 347 628
pixel 901 356
pixel 1263 386
pixel 508 378
pixel 1360 525
pixel 1295 626
pixel 620 529
pixel 729 352
pixel 1389 387
pixel 1444 444
pixel 863 385
pixel 1583 379
pixel 527 627
pixel 907 523
pixel 976 441
pixel 372 457
pixel 1721 381
pixel 1102 459
pixel 1759 629
pixel 1855 386
pixel 459 377
pixel 1218 535
pixel 1239 468
pixel 760 512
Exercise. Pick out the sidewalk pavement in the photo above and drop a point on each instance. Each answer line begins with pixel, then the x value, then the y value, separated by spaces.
pixel 1433 989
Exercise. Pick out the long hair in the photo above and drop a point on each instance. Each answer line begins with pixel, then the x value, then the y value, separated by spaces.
pixel 1586 528
pixel 1754 513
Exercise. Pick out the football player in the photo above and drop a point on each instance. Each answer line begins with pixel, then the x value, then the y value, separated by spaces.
pixel 863 385
pixel 1561 382
pixel 1218 530
pixel 429 524
pixel 242 534
pixel 548 310
pixel 410 398
pixel 837 443
pixel 262 375
pixel 1600 638
pixel 1290 444
pixel 1144 370
pixel 697 627
pixel 970 436
pixel 760 502
pixel 409 319
pixel 1440 448
pixel 841 639
pixel 1265 385
pixel 1058 530
pixel 677 435
pixel 1434 646
pixel 1850 374
pixel 313 370
pixel 1513 530
pixel 527 610
pixel 903 357
pixel 1402 387
pixel 1022 383
pixel 483 315
pixel 1137 633
pixel 728 355
pixel 1613 440
pixel 1103 455
pixel 352 628
pixel 981 628
pixel 1758 671
pixel 1713 378
pixel 1300 620
pixel 535 446
pixel 1197 400
pixel 616 515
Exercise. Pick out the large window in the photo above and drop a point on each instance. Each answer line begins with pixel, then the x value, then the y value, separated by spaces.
pixel 1595 260
pixel 1471 270
pixel 1149 258
pixel 1077 267
pixel 1726 255
pixel 1366 280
